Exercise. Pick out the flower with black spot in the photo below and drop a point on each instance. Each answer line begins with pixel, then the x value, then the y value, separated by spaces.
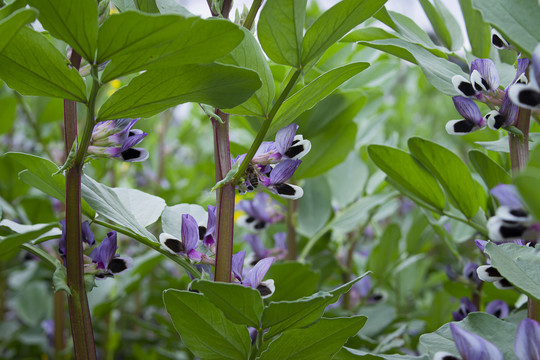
pixel 108 263
pixel 483 78
pixel 253 277
pixel 260 212
pixel 528 95
pixel 472 121
pixel 116 139
pixel 87 237
pixel 470 346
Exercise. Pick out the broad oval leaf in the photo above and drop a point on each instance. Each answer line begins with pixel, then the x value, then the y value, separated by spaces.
pixel 75 22
pixel 315 207
pixel 405 171
pixel 518 264
pixel 31 65
pixel 204 328
pixel 478 31
pixel 445 25
pixel 451 172
pixel 249 55
pixel 312 93
pixel 491 172
pixel 319 341
pixel 517 21
pixel 280 30
pixel 293 280
pixel 218 85
pixel 240 304
pixel 333 24
pixel 10 26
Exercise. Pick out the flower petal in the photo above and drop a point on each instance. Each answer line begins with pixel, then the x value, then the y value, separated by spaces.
pixel 87 234
pixel 472 346
pixel 254 276
pixel 266 288
pixel 171 243
pixel 525 96
pixel 287 191
pixel 134 155
pixel 513 215
pixel 497 308
pixel 238 264
pixel 507 195
pixel 488 273
pixel 463 86
pixel 498 41
pixel 256 245
pixel 527 344
pixel 190 232
pixel 285 137
pixel 443 355
pixel 494 120
pixel 283 171
pixel 104 253
pixel 500 230
pixel 119 264
pixel 488 74
pixel 468 109
pixel 299 148
pixel 508 110
pixel 461 127
pixel 535 65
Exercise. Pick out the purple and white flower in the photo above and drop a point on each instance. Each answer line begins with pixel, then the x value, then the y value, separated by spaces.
pixel 187 245
pixel 472 117
pixel 117 138
pixel 527 343
pixel 106 259
pixel 254 276
pixel 470 347
pixel 260 212
pixel 528 95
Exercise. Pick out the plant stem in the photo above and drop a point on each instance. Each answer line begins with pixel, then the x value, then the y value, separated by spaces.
pixel 59 323
pixel 224 199
pixel 292 249
pixel 265 126
pixel 79 312
pixel 248 23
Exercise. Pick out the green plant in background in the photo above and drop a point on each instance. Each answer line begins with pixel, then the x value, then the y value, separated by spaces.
pixel 308 110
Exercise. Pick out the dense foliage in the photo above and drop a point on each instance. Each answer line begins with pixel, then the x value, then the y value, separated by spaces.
pixel 283 184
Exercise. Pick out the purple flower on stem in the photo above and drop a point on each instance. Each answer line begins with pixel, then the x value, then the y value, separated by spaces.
pixel 498 308
pixel 87 237
pixel 207 234
pixel 472 121
pixel 276 179
pixel 116 138
pixel 187 245
pixel 498 41
pixel 483 78
pixel 528 95
pixel 253 277
pixel 106 259
pixel 466 306
pixel 260 212
pixel 527 343
pixel 470 347
pixel 259 250
pixel 469 273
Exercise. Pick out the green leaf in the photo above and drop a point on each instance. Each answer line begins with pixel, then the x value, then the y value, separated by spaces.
pixel 405 171
pixel 312 93
pixel 60 278
pixel 171 218
pixel 203 327
pixel 31 65
pixel 478 31
pixel 527 184
pixel 491 172
pixel 222 86
pixel 293 280
pixel 21 234
pixel 482 324
pixel 25 303
pixel 515 20
pixel 107 203
pixel 135 41
pixel 280 30
pixel 249 55
pixel 124 5
pixel 385 252
pixel 518 264
pixel 240 304
pixel 347 179
pixel 352 354
pixel 39 175
pixel 145 207
pixel 319 341
pixel 10 26
pixel 172 7
pixel 8 112
pixel 75 22
pixel 284 315
pixel 147 6
pixel 451 172
pixel 314 208
pixel 445 25
pixel 333 24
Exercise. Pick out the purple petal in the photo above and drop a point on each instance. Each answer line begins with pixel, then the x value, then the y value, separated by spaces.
pixel 211 225
pixel 190 232
pixel 466 306
pixel 488 71
pixel 87 234
pixel 256 245
pixel 194 255
pixel 468 109
pixel 472 346
pixel 238 264
pixel 135 136
pixel 259 207
pixel 134 155
pixel 469 272
pixel 363 286
pixel 62 241
pixel 508 110
pixel 481 244
pixel 521 68
pixel 285 137
pixel 527 344
pixel 254 277
pixel 498 308
pixel 280 240
pixel 283 171
pixel 535 65
pixel 104 253
pixel 507 196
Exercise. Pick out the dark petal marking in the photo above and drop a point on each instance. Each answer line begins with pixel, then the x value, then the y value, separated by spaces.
pixel 519 213
pixel 477 86
pixel 499 121
pixel 294 150
pixel 463 126
pixel 250 219
pixel 450 357
pixel 285 189
pixel 377 297
pixel 485 83
pixel 264 290
pixel 497 313
pixel 260 225
pixel 497 41
pixel 491 271
pixel 131 133
pixel 505 283
pixel 466 88
pixel 529 97
pixel 295 142
pixel 117 265
pixel 130 154
pixel 512 231
pixel 202 232
pixel 175 245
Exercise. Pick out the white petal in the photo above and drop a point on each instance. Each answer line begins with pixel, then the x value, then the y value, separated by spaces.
pixel 488 273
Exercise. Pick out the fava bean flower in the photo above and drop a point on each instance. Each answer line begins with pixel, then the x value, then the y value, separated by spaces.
pixel 108 263
pixel 116 139
pixel 254 276
pixel 470 347
pixel 528 95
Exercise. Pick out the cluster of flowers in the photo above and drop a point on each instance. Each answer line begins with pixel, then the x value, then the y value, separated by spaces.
pixel 116 139
pixel 274 163
pixel 103 260
pixel 483 85
pixel 473 347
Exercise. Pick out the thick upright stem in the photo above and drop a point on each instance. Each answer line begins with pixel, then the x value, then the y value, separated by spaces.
pixel 59 323
pixel 248 24
pixel 292 248
pixel 79 312
pixel 224 199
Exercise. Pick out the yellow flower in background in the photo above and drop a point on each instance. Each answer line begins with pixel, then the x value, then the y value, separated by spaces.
pixel 113 86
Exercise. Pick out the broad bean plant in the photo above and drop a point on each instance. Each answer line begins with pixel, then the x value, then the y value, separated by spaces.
pixel 281 182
